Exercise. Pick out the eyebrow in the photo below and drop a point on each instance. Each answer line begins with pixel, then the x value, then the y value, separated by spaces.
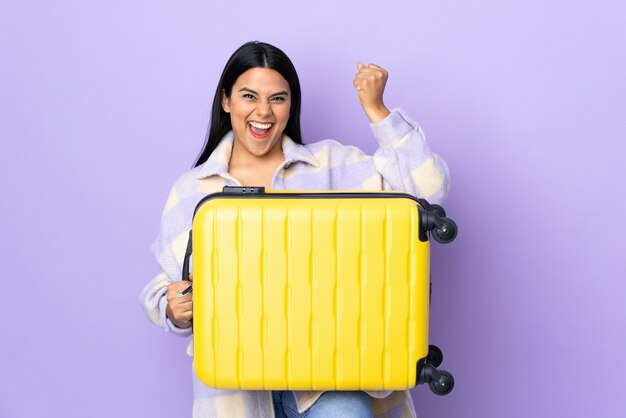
pixel 280 93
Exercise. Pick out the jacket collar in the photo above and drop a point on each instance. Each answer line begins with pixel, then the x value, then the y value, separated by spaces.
pixel 217 163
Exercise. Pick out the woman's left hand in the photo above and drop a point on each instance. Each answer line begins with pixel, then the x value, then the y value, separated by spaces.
pixel 370 84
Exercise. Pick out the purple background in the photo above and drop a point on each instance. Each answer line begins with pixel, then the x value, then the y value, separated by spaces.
pixel 104 104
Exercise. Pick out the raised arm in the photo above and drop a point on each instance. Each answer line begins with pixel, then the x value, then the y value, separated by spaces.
pixel 403 158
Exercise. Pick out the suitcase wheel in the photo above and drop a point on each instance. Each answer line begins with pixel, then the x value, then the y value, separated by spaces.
pixel 446 232
pixel 440 382
pixel 435 356
pixel 443 385
pixel 438 210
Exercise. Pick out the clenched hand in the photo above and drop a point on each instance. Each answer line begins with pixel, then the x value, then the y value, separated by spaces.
pixel 370 84
pixel 179 308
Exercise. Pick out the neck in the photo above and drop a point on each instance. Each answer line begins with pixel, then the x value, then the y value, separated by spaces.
pixel 240 157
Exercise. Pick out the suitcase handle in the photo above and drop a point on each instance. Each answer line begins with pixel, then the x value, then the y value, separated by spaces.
pixel 187 257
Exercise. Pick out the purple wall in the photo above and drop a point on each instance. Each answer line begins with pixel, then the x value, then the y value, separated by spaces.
pixel 103 105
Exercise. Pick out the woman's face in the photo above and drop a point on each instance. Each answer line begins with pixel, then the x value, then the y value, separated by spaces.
pixel 259 107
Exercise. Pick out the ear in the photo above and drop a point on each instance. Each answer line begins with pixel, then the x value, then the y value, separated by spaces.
pixel 225 102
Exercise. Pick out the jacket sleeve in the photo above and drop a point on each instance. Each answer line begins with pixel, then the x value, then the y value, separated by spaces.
pixel 405 161
pixel 167 250
pixel 154 301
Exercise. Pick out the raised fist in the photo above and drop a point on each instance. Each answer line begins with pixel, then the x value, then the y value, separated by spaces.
pixel 370 84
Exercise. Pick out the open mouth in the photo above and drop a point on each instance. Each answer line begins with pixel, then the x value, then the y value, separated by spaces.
pixel 260 130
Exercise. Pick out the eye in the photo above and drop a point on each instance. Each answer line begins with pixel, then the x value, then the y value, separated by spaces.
pixel 278 99
pixel 248 96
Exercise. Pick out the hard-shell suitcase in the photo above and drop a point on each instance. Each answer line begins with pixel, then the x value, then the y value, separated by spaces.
pixel 314 290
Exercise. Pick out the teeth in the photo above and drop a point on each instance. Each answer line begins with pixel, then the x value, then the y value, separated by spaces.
pixel 261 125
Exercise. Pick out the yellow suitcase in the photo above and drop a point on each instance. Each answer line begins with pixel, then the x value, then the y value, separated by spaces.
pixel 314 290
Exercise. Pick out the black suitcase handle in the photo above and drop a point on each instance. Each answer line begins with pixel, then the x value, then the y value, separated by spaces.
pixel 188 252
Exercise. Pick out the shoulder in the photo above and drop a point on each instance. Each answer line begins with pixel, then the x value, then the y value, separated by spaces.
pixel 190 186
pixel 187 182
pixel 330 150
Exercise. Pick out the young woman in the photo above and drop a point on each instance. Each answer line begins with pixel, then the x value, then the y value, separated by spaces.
pixel 254 140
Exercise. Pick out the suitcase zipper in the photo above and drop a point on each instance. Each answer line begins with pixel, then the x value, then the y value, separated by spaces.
pixel 444 229
pixel 259 192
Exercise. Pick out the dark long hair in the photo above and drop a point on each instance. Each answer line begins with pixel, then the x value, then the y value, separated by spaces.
pixel 251 55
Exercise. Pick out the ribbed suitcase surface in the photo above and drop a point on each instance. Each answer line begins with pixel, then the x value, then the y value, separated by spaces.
pixel 301 293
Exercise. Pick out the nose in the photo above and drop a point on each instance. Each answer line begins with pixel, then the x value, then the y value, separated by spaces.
pixel 263 108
